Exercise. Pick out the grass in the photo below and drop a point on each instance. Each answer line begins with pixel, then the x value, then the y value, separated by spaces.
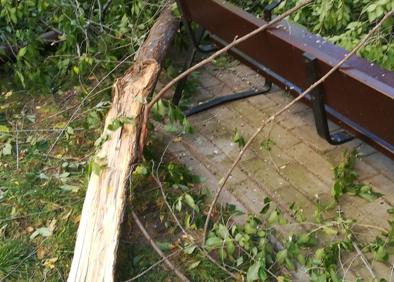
pixel 41 198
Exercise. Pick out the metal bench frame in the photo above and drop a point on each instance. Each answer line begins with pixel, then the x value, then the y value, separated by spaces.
pixel 359 96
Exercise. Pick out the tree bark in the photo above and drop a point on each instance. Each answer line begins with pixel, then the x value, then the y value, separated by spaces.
pixel 103 210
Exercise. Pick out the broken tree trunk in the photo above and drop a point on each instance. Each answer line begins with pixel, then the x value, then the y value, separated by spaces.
pixel 99 229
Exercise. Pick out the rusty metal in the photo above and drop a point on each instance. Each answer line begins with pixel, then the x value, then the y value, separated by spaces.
pixel 359 96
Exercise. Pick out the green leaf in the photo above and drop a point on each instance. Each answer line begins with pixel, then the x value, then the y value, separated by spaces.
pixel 390 211
pixel 330 231
pixel 281 256
pixel 164 246
pixel 267 204
pixel 7 149
pixel 97 166
pixel 194 265
pixel 266 145
pixel 240 260
pixel 114 125
pixel 257 271
pixel 141 170
pixel 21 52
pixel 230 247
pixel 253 272
pixel 381 254
pixel 213 243
pixel 4 128
pixel 70 130
pixel 190 202
pixel 70 188
pixel 43 231
pixel 189 249
pixel 178 204
pixel 222 231
pixel 238 139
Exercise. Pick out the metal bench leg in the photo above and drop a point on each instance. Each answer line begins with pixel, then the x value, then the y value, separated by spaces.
pixel 195 46
pixel 318 108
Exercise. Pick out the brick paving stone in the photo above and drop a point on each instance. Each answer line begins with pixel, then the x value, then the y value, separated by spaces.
pixel 299 165
pixel 251 194
pixel 291 121
pixel 248 112
pixel 231 149
pixel 364 170
pixel 277 133
pixel 305 182
pixel 200 95
pixel 313 161
pixel 382 184
pixel 276 157
pixel 207 80
pixel 264 174
pixel 280 97
pixel 234 82
pixel 283 138
pixel 362 148
pixel 376 213
pixel 256 79
pixel 218 162
pixel 203 144
pixel 209 180
pixel 261 102
pixel 288 195
pixel 219 90
pixel 244 70
pixel 383 164
pixel 309 135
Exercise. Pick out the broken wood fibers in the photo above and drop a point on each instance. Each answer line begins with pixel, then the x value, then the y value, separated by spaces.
pixel 98 234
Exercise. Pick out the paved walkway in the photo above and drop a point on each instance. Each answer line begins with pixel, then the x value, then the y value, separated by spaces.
pixel 299 166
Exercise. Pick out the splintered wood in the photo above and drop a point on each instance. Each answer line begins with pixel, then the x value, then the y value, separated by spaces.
pixel 103 210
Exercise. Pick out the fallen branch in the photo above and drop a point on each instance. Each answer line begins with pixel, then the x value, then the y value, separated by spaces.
pixel 179 274
pixel 150 268
pixel 200 248
pixel 210 59
pixel 98 234
pixel 224 180
pixel 364 260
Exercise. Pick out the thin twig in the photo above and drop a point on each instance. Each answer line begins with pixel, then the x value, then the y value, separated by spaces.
pixel 340 259
pixel 179 274
pixel 22 261
pixel 99 9
pixel 105 8
pixel 152 266
pixel 201 249
pixel 210 59
pixel 275 115
pixel 364 260
pixel 83 101
pixel 17 145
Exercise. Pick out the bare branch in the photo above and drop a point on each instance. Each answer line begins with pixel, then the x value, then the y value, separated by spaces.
pixel 179 274
pixel 152 266
pixel 364 260
pixel 155 177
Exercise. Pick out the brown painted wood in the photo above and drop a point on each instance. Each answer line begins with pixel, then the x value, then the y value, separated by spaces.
pixel 359 96
pixel 97 241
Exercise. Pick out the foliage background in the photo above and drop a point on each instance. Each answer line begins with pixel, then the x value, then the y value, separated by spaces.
pixel 343 22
